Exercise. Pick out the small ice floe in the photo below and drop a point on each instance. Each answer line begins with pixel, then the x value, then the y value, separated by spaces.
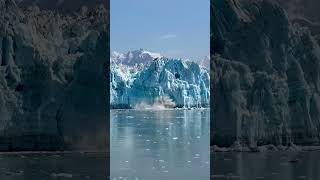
pixel 196 156
pixel 56 155
pixel 175 138
pixel 148 140
pixel 166 171
pixel 198 137
pixel 147 149
pixel 218 176
pixel 130 117
pixel 189 161
pixel 18 173
pixel 65 175
pixel 161 160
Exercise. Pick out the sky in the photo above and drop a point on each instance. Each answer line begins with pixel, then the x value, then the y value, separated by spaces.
pixel 174 28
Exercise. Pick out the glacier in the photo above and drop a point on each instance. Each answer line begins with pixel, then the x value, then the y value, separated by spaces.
pixel 265 77
pixel 52 74
pixel 181 82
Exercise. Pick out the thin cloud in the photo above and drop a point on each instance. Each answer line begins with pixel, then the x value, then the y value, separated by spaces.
pixel 168 36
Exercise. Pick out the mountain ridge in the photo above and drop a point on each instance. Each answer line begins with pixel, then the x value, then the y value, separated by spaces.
pixel 143 56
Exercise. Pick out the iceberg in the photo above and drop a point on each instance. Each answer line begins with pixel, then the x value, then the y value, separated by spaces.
pixel 169 81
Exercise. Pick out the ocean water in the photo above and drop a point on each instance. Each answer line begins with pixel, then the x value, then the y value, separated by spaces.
pixel 279 165
pixel 53 166
pixel 158 145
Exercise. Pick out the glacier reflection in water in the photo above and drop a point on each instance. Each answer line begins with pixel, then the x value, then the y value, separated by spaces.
pixel 167 144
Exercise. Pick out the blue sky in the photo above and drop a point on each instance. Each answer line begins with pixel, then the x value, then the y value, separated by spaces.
pixel 175 28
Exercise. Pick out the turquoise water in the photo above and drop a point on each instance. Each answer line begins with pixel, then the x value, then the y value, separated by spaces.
pixel 168 144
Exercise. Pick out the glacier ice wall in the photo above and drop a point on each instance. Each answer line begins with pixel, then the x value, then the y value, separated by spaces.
pixel 51 78
pixel 265 76
pixel 184 82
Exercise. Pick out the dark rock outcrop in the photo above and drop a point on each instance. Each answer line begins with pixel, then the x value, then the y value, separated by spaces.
pixel 265 76
pixel 52 78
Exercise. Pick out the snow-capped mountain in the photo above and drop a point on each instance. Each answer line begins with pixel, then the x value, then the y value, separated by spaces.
pixel 144 57
pixel 205 62
pixel 134 57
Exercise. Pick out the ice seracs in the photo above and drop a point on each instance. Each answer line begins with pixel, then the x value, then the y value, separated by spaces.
pixel 51 78
pixel 265 77
pixel 172 82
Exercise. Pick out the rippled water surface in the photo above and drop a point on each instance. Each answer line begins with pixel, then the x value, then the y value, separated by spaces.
pixel 268 166
pixel 158 145
pixel 54 166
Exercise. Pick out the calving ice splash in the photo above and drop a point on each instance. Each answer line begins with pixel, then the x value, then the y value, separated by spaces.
pixel 160 103
pixel 141 79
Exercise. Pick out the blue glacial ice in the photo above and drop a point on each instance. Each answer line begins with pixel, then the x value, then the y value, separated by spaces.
pixel 172 82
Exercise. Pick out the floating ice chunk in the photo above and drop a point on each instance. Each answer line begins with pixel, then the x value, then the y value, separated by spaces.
pixel 65 175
